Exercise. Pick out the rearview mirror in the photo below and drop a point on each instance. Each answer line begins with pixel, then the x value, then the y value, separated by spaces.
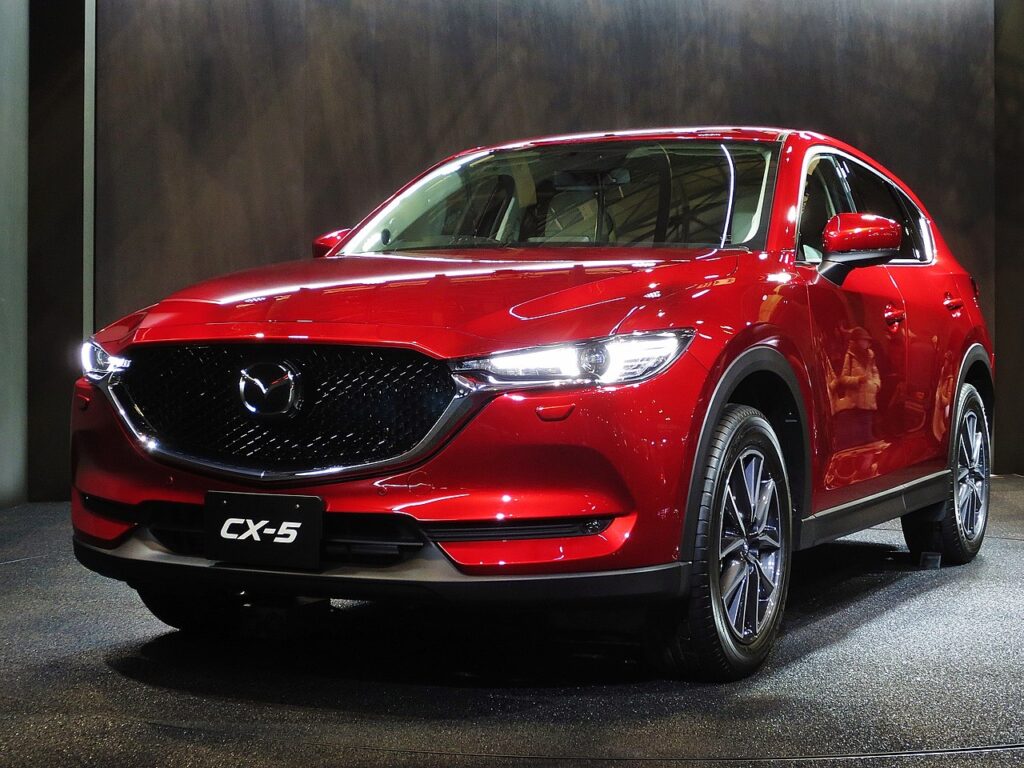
pixel 327 243
pixel 858 240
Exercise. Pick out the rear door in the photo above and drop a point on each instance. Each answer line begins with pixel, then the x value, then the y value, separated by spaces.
pixel 936 321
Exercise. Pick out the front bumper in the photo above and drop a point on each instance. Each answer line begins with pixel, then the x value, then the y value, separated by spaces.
pixel 619 453
pixel 429 576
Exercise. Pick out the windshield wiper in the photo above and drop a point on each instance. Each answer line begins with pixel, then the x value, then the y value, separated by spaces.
pixel 463 241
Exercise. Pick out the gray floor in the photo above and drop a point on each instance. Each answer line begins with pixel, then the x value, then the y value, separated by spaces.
pixel 879 664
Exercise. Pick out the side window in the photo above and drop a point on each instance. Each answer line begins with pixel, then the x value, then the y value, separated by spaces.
pixel 873 194
pixel 823 198
pixel 916 229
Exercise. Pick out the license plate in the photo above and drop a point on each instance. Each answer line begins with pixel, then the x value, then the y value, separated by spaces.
pixel 264 529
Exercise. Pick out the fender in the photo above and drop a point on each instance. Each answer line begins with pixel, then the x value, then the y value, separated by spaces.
pixel 756 359
pixel 975 353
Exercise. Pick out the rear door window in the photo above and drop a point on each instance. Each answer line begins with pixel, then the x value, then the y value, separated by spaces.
pixel 874 194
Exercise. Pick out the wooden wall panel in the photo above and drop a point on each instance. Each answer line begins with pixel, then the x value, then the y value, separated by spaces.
pixel 229 133
pixel 199 143
pixel 391 88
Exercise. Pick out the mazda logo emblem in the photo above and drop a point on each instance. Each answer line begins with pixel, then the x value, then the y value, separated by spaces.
pixel 269 389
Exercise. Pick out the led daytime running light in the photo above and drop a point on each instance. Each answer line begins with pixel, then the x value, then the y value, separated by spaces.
pixel 620 359
pixel 98 364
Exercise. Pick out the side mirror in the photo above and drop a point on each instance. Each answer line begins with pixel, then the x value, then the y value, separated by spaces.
pixel 327 243
pixel 858 240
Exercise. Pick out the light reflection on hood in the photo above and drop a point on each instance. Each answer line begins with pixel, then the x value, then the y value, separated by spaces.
pixel 506 266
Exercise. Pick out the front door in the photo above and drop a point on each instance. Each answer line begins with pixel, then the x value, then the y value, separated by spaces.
pixel 859 332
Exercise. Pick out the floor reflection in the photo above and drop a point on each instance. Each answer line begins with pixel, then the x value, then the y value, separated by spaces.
pixel 307 658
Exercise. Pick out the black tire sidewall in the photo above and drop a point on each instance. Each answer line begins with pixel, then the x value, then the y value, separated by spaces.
pixel 969 400
pixel 751 431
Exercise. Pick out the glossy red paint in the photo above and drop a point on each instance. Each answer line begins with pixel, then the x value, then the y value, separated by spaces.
pixel 610 456
pixel 624 452
pixel 452 306
pixel 862 232
pixel 326 243
pixel 94 528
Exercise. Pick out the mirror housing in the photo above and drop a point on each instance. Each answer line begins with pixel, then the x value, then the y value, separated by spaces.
pixel 858 240
pixel 324 244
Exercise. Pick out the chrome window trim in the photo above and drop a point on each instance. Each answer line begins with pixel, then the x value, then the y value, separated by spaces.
pixel 929 240
pixel 825 149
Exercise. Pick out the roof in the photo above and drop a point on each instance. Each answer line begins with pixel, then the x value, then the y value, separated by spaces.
pixel 723 133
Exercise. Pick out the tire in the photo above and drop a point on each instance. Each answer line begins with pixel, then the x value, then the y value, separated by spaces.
pixel 956 527
pixel 719 633
pixel 194 612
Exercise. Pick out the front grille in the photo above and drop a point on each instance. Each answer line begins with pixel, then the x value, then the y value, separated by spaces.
pixel 356 405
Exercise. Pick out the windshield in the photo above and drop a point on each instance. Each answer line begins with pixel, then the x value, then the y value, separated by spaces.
pixel 681 193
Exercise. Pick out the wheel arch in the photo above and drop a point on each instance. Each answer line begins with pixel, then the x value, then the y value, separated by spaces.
pixel 763 378
pixel 976 370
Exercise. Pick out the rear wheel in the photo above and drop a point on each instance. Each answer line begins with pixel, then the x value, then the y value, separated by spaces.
pixel 740 561
pixel 955 528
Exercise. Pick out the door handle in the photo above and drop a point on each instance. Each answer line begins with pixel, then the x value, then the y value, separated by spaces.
pixel 953 305
pixel 894 315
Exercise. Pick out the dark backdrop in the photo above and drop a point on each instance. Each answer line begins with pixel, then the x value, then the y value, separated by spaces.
pixel 54 279
pixel 229 133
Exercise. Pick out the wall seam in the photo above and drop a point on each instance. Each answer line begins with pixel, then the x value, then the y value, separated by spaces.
pixel 89 173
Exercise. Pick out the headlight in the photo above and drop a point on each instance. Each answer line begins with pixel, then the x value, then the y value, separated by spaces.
pixel 97 364
pixel 615 360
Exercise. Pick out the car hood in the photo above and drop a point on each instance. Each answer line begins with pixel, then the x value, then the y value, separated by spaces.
pixel 447 304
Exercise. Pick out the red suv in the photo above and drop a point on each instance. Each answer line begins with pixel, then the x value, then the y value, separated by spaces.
pixel 647 364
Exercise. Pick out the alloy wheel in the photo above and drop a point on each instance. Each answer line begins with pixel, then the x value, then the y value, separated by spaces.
pixel 751 557
pixel 972 478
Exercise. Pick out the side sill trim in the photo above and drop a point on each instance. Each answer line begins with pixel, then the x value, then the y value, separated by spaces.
pixel 878 508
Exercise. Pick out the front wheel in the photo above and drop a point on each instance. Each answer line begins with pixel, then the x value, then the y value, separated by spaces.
pixel 741 557
pixel 956 527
